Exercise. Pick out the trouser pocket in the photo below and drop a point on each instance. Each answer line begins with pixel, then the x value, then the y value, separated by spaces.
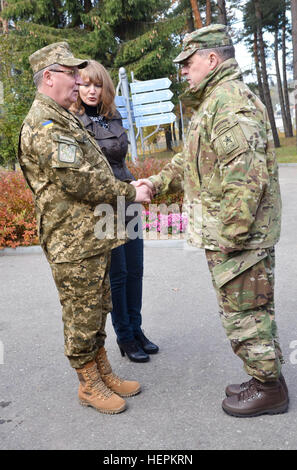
pixel 245 294
pixel 84 292
pixel 243 281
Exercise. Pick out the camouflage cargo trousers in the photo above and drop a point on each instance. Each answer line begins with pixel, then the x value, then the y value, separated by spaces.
pixel 84 291
pixel 244 284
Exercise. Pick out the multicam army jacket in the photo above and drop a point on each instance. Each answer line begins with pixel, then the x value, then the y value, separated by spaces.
pixel 228 166
pixel 69 176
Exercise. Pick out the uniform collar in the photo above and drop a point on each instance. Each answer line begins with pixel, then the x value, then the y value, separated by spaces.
pixel 49 102
pixel 227 70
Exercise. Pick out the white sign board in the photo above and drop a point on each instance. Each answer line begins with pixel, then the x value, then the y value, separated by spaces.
pixel 150 85
pixel 155 119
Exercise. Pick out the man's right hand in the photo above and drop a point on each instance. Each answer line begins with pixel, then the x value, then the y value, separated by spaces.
pixel 143 193
pixel 146 182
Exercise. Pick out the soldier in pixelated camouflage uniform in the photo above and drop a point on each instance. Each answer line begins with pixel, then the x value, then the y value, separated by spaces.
pixel 232 196
pixel 69 176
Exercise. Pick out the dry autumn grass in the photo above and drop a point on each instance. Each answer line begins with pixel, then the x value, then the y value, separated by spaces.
pixel 286 153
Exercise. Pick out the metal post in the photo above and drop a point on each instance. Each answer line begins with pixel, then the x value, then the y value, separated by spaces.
pixel 139 132
pixel 126 94
pixel 182 119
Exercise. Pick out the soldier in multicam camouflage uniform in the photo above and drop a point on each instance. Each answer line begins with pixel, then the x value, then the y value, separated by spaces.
pixel 232 196
pixel 69 175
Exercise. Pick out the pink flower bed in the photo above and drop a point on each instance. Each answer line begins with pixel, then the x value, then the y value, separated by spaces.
pixel 174 223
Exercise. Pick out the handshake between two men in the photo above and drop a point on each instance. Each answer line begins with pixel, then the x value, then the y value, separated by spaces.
pixel 145 190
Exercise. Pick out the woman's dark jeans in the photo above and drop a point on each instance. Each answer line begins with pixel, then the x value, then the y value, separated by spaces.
pixel 126 273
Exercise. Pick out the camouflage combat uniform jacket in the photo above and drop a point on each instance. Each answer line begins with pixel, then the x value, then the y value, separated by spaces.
pixel 69 176
pixel 228 166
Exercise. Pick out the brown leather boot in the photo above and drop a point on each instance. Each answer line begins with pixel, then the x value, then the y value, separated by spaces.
pixel 93 391
pixel 258 399
pixel 124 388
pixel 235 389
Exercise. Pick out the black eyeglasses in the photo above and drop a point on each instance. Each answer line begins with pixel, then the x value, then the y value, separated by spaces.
pixel 72 73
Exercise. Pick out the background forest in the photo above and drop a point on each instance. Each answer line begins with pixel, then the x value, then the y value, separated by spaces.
pixel 143 36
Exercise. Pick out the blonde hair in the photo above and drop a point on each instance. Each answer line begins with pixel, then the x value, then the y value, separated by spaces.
pixel 97 74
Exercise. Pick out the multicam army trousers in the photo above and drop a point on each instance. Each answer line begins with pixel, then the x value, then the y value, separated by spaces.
pixel 84 291
pixel 244 285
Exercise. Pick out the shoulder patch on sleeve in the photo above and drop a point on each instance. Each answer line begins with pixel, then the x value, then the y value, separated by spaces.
pixel 68 152
pixel 228 140
pixel 48 124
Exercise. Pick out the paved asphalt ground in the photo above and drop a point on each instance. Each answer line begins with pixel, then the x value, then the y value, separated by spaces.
pixel 183 386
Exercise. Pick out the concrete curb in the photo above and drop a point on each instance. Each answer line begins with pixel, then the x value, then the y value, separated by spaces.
pixel 21 250
pixel 29 250
pixel 287 164
pixel 179 243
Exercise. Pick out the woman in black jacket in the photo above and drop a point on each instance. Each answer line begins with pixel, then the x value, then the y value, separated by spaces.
pixel 97 110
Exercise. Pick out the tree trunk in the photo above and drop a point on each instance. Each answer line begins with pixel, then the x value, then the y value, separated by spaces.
pixel 180 129
pixel 4 22
pixel 87 6
pixel 294 40
pixel 258 68
pixel 190 22
pixel 196 14
pixel 285 81
pixel 221 4
pixel 208 12
pixel 12 165
pixel 168 137
pixel 279 84
pixel 173 132
pixel 266 90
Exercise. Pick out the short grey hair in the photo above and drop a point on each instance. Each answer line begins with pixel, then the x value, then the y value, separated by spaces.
pixel 224 52
pixel 38 76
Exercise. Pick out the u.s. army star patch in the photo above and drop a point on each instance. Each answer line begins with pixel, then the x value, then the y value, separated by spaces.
pixel 228 141
pixel 67 153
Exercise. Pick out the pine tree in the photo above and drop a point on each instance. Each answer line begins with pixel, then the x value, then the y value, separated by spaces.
pixel 273 21
pixel 294 39
pixel 18 94
pixel 286 30
pixel 222 13
pixel 138 34
pixel 196 13
pixel 3 21
pixel 259 18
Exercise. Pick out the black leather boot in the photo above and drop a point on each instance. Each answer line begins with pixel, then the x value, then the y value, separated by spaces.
pixel 133 351
pixel 146 344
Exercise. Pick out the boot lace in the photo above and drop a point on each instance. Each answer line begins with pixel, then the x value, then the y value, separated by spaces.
pixel 246 385
pixel 97 383
pixel 105 369
pixel 115 378
pixel 251 392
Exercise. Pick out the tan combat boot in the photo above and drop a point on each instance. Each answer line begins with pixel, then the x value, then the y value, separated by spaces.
pixel 93 391
pixel 124 388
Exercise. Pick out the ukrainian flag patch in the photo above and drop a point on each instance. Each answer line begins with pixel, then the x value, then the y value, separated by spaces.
pixel 48 124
